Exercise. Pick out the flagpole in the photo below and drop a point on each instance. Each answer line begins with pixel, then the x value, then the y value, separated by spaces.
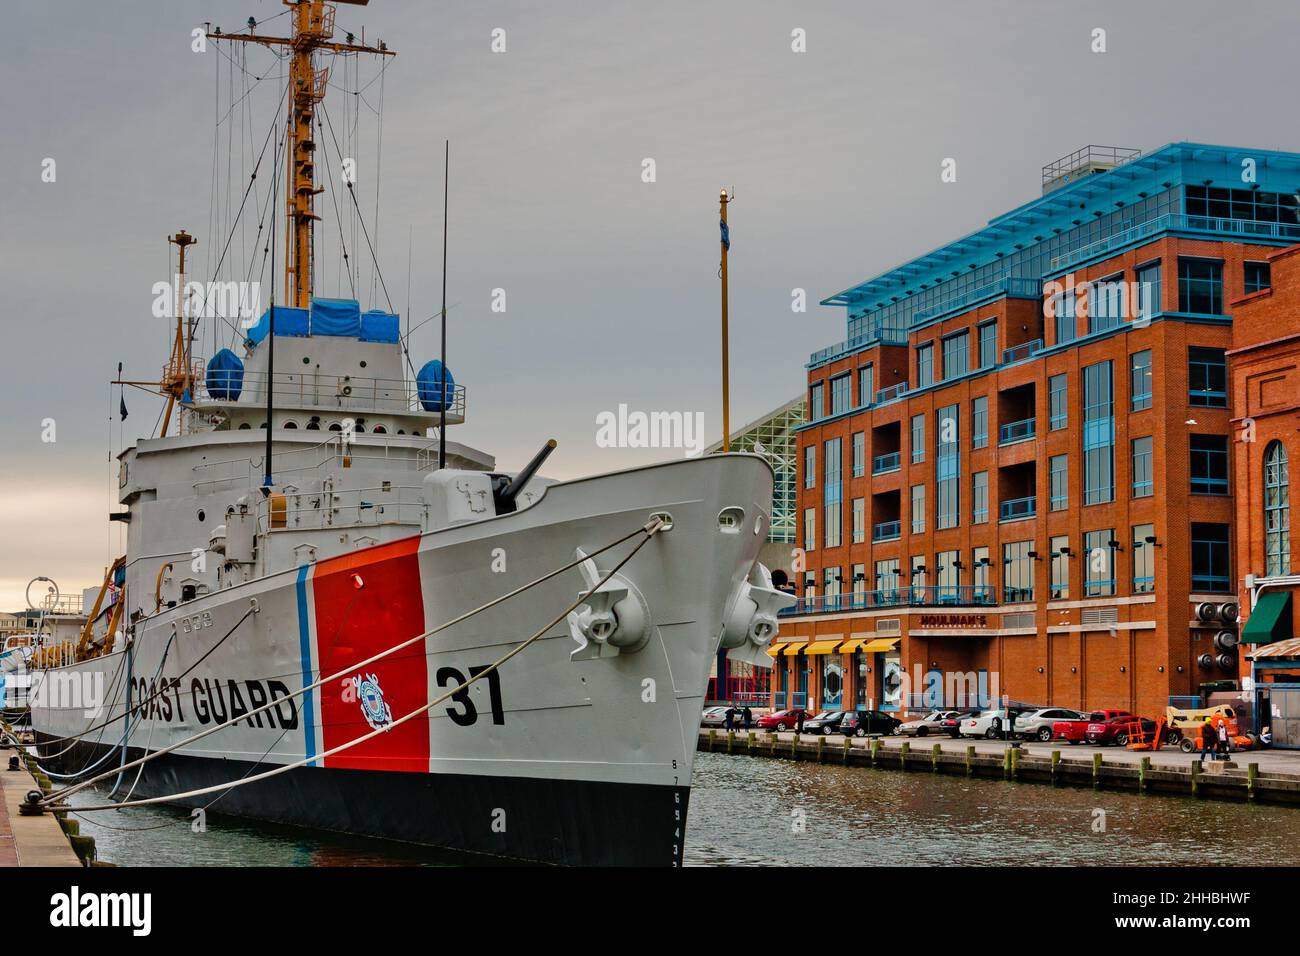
pixel 726 371
pixel 442 385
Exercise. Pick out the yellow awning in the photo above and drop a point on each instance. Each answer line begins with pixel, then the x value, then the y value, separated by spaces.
pixel 854 645
pixel 776 650
pixel 823 647
pixel 880 644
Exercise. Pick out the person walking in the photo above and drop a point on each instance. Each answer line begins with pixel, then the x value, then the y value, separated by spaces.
pixel 1208 740
pixel 747 717
pixel 802 715
pixel 729 719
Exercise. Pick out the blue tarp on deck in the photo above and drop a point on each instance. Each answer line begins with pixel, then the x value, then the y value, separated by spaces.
pixel 335 317
pixel 379 326
pixel 288 321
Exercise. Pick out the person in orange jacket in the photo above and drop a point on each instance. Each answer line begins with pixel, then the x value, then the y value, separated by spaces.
pixel 1208 739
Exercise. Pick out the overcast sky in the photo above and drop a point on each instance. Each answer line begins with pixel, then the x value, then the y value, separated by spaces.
pixel 611 285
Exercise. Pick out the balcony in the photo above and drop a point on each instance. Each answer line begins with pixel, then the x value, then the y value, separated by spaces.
pixel 884 464
pixel 1021 352
pixel 1013 432
pixel 1012 595
pixel 887 531
pixel 893 393
pixel 1017 509
pixel 964 595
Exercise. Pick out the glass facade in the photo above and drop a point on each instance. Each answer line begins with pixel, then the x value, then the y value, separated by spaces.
pixel 948 468
pixel 833 493
pixel 1098 434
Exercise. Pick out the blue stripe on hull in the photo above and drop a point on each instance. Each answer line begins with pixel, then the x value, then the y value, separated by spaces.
pixel 308 674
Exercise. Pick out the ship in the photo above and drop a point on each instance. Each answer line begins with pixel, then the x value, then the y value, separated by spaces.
pixel 301 513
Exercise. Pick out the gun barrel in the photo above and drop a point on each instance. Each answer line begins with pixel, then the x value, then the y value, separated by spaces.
pixel 517 483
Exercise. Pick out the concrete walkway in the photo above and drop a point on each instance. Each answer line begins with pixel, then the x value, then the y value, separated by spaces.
pixel 28 841
pixel 1272 762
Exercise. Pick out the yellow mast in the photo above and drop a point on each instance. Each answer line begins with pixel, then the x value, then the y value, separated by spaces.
pixel 178 376
pixel 313 28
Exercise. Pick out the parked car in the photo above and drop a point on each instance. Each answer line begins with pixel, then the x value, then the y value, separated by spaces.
pixel 860 723
pixel 714 716
pixel 1117 729
pixel 1039 724
pixel 1076 731
pixel 782 720
pixel 987 723
pixel 935 722
pixel 827 722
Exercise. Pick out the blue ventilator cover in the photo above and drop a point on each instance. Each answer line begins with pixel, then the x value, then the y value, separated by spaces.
pixel 225 374
pixel 334 317
pixel 429 383
pixel 288 321
pixel 379 326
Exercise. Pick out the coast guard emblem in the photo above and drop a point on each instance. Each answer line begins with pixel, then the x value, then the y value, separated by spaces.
pixel 371 697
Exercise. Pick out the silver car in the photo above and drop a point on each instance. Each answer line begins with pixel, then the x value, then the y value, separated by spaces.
pixel 931 723
pixel 1037 724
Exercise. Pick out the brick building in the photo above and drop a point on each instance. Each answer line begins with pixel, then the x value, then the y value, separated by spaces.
pixel 1264 365
pixel 1015 477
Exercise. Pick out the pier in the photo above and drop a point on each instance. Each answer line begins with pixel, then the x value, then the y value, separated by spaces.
pixel 1264 776
pixel 46 839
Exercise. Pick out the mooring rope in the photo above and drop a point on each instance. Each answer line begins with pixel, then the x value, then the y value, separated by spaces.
pixel 649 530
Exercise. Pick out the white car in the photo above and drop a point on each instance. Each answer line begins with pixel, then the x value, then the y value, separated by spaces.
pixel 987 723
pixel 713 717
pixel 931 723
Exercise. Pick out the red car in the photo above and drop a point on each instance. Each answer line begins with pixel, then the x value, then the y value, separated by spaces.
pixel 1117 729
pixel 1076 731
pixel 782 719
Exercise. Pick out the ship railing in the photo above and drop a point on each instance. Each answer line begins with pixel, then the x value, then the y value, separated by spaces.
pixel 248 469
pixel 344 393
pixel 347 508
pixel 66 604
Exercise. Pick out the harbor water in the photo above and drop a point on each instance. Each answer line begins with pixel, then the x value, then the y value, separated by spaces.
pixel 749 811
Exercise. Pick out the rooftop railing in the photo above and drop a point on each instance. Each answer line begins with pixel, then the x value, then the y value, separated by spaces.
pixel 1016 431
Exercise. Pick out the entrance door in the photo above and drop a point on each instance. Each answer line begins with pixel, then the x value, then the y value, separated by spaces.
pixel 1283 715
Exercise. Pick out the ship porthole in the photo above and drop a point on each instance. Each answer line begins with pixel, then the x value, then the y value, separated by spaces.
pixel 729 519
pixel 201 514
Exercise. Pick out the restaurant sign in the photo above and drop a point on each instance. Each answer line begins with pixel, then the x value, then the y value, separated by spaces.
pixel 954 620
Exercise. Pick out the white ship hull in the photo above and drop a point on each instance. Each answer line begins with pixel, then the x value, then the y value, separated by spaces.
pixel 560 760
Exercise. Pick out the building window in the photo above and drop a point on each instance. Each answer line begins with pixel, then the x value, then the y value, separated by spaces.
pixel 1058 479
pixel 833 493
pixel 918 509
pixel 918 438
pixel 980 497
pixel 1143 480
pixel 1098 434
pixel 1211 562
pixel 956 355
pixel 979 421
pixel 859 520
pixel 866 385
pixel 980 571
pixel 924 365
pixel 1207 377
pixel 810 466
pixel 1060 568
pixel 1144 559
pixel 1200 286
pixel 1243 204
pixel 1017 572
pixel 816 409
pixel 810 529
pixel 841 393
pixel 859 584
pixel 947 492
pixel 1106 304
pixel 1209 464
pixel 1277 511
pixel 947 577
pixel 917 577
pixel 859 454
pixel 887 579
pixel 988 333
pixel 1257 276
pixel 1063 309
pixel 1148 292
pixel 1058 392
pixel 1140 380
pixel 831 588
pixel 1099 571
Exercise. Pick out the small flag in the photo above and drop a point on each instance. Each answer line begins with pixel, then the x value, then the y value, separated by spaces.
pixel 121 394
pixel 726 234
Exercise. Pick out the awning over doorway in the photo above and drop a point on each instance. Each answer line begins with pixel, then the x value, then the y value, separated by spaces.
pixel 1270 620
pixel 787 647
pixel 880 645
pixel 823 647
pixel 854 645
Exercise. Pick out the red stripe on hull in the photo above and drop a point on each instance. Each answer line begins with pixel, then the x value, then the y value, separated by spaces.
pixel 354 623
